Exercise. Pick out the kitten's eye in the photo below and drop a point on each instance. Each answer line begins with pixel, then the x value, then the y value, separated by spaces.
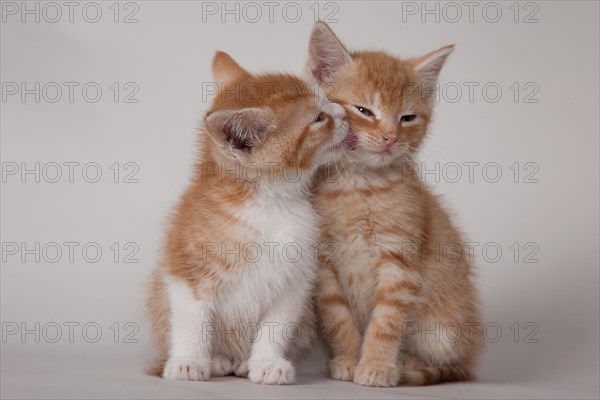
pixel 408 118
pixel 365 111
pixel 321 117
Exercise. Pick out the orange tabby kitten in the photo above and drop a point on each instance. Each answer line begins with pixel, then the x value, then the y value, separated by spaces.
pixel 233 291
pixel 396 299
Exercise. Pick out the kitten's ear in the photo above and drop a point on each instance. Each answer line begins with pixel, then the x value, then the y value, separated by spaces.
pixel 428 67
pixel 225 69
pixel 326 53
pixel 240 131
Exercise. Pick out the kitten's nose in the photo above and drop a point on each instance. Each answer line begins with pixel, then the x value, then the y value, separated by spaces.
pixel 334 109
pixel 390 139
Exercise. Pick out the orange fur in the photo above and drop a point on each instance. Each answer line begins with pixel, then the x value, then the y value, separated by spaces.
pixel 385 224
pixel 285 127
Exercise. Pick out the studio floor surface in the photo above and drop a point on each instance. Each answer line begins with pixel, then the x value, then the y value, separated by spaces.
pixel 86 372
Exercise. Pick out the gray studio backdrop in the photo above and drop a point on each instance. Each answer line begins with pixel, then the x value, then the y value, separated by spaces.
pixel 99 113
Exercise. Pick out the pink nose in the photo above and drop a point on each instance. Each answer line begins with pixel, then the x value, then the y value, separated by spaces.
pixel 390 139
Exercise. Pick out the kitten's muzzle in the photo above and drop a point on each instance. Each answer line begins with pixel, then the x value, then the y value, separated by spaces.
pixel 338 114
pixel 335 110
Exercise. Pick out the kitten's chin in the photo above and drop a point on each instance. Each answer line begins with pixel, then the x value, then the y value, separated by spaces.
pixel 344 140
pixel 374 160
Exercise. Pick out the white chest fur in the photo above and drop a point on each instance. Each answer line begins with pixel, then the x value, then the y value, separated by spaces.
pixel 274 288
pixel 280 256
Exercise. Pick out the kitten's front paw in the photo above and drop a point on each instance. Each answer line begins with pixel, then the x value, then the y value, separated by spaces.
pixel 186 370
pixel 221 365
pixel 272 372
pixel 240 367
pixel 382 375
pixel 342 368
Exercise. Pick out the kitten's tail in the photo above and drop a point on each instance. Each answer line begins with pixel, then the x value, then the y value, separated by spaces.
pixel 416 373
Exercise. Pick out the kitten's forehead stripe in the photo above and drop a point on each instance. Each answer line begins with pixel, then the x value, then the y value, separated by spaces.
pixel 376 100
pixel 376 105
pixel 383 74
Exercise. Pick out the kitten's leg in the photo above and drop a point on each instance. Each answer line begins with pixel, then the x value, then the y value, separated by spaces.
pixel 221 365
pixel 395 299
pixel 337 324
pixel 416 373
pixel 267 363
pixel 157 304
pixel 240 367
pixel 442 348
pixel 190 343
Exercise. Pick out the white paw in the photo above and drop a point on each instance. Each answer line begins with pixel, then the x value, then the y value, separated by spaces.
pixel 184 369
pixel 221 365
pixel 240 367
pixel 272 372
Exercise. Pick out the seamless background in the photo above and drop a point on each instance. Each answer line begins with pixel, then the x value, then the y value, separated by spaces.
pixel 514 150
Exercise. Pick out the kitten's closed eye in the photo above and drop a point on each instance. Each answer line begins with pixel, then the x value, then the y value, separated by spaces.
pixel 365 111
pixel 408 118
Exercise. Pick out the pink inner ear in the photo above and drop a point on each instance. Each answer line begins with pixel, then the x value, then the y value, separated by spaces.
pixel 246 129
pixel 237 140
pixel 429 66
pixel 326 54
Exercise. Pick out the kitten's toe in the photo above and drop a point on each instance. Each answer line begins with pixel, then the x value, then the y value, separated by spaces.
pixel 382 375
pixel 221 365
pixel 272 372
pixel 342 368
pixel 240 367
pixel 186 370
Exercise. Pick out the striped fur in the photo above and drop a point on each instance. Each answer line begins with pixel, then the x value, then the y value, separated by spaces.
pixel 394 278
